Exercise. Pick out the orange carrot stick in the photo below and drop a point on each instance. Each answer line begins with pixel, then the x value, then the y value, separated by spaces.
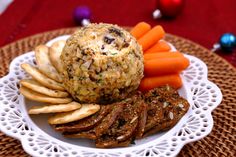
pixel 151 56
pixel 151 37
pixel 160 46
pixel 140 29
pixel 148 83
pixel 162 66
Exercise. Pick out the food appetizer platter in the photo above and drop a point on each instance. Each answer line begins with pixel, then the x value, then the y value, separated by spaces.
pixel 103 91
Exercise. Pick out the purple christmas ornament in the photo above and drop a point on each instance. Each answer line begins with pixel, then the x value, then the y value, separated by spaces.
pixel 82 15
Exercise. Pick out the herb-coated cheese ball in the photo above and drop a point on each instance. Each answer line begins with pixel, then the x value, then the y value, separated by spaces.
pixel 102 63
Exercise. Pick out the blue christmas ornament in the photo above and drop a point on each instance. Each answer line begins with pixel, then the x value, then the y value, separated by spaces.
pixel 227 42
pixel 82 15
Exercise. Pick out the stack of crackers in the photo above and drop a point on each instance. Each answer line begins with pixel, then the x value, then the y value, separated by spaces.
pixel 46 86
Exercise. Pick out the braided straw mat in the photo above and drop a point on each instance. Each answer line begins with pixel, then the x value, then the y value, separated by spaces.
pixel 220 142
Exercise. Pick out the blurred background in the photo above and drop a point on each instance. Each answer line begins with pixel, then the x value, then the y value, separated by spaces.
pixel 201 21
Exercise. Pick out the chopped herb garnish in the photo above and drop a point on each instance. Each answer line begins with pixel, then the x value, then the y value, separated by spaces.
pixel 114 53
pixel 81 78
pixel 99 81
pixel 115 31
pixel 108 40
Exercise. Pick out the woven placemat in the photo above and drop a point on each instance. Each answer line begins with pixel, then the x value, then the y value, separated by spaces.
pixel 220 142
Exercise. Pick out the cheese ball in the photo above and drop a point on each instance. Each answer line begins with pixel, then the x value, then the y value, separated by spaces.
pixel 102 63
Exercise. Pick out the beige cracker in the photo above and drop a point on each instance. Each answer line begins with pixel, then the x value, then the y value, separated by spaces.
pixel 44 64
pixel 85 111
pixel 54 108
pixel 37 87
pixel 41 78
pixel 54 54
pixel 32 95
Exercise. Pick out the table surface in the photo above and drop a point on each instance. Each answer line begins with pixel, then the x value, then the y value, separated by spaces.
pixel 200 21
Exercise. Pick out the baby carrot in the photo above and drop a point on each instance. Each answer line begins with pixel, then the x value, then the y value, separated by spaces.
pixel 151 37
pixel 148 83
pixel 162 66
pixel 160 46
pixel 140 29
pixel 151 56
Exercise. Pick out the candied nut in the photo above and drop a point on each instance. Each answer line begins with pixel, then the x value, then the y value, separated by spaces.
pixel 171 115
pixel 135 118
pixel 165 104
pixel 181 105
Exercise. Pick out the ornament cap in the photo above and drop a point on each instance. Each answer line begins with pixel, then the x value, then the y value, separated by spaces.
pixel 156 14
pixel 216 47
pixel 85 22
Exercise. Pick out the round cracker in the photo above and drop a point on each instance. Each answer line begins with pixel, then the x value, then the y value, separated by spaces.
pixel 41 78
pixel 54 54
pixel 44 64
pixel 32 95
pixel 85 111
pixel 54 108
pixel 37 87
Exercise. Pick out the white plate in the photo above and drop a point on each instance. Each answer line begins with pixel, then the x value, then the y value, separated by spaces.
pixel 39 139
